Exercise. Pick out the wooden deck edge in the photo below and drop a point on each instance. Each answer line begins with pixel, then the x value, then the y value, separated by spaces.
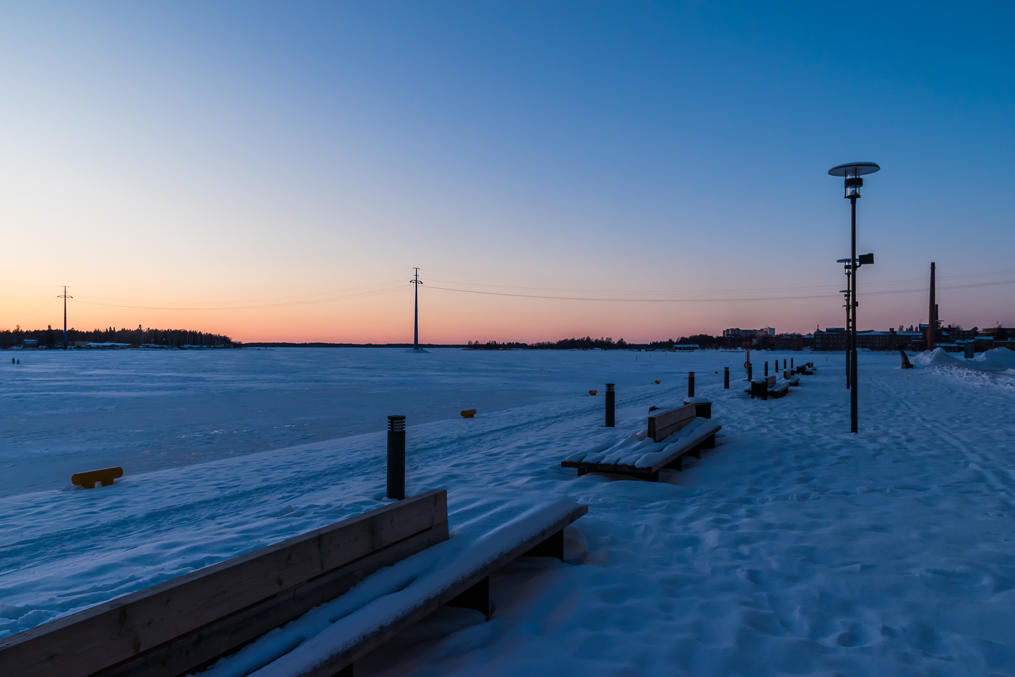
pixel 375 639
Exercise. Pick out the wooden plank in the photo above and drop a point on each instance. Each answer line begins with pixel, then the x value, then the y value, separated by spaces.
pixel 338 662
pixel 198 649
pixel 110 633
pixel 664 424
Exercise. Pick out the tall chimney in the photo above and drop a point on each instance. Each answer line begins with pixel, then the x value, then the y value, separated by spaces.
pixel 932 315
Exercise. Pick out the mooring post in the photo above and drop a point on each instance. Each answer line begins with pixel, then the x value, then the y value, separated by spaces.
pixel 396 457
pixel 750 372
pixel 690 384
pixel 611 399
pixel 726 378
pixel 766 368
pixel 791 363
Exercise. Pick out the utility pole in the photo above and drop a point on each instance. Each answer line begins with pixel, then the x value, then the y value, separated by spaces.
pixel 415 281
pixel 64 296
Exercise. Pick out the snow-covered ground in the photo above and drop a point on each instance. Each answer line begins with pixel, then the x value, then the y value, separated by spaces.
pixel 792 548
pixel 69 411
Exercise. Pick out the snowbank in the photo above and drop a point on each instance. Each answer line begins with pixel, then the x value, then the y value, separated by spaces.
pixel 994 360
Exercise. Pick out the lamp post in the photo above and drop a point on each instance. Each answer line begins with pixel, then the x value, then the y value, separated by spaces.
pixel 852 173
pixel 845 295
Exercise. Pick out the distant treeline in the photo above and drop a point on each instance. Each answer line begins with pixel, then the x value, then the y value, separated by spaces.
pixel 173 338
pixel 602 343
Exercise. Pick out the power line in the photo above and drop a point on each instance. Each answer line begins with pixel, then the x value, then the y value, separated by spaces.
pixel 834 285
pixel 798 297
pixel 376 290
pixel 252 306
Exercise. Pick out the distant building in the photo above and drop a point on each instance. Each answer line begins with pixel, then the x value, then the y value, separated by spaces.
pixel 736 332
pixel 29 344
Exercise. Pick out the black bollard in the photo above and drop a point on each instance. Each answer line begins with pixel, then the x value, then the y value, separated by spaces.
pixel 611 399
pixel 791 363
pixel 766 368
pixel 690 384
pixel 396 457
pixel 750 372
pixel 726 378
pixel 784 363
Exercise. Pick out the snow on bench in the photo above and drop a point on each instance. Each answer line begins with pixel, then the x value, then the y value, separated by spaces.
pixel 641 455
pixel 489 534
pixel 767 387
pixel 181 624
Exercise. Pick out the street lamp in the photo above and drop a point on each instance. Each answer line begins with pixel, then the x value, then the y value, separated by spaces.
pixel 852 182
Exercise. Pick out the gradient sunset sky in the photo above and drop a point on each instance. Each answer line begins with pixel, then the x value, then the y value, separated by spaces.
pixel 273 171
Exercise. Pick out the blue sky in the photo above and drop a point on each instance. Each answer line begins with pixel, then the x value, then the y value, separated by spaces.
pixel 227 153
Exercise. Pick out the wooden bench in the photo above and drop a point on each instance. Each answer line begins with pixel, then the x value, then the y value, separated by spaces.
pixel 767 387
pixel 88 479
pixel 184 623
pixel 641 458
pixel 335 636
pixel 791 377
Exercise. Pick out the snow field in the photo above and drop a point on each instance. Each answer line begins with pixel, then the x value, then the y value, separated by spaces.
pixel 792 548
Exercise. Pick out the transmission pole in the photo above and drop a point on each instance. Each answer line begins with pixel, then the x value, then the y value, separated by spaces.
pixel 415 281
pixel 64 296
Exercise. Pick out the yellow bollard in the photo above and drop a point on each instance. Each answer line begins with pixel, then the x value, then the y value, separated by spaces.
pixel 468 413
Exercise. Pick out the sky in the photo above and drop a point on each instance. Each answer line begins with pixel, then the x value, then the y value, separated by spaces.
pixel 274 170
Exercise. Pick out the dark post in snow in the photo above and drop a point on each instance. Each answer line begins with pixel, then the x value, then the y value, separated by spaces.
pixel 396 457
pixel 766 368
pixel 750 372
pixel 611 400
pixel 791 363
pixel 690 384
pixel 726 378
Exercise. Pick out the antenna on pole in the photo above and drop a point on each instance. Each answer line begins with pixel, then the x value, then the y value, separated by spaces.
pixel 415 281
pixel 64 296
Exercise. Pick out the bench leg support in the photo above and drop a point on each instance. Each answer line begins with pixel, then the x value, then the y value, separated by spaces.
pixel 477 597
pixel 677 464
pixel 551 547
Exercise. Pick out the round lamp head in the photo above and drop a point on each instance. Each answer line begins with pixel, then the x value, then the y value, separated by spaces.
pixel 854 169
pixel 851 173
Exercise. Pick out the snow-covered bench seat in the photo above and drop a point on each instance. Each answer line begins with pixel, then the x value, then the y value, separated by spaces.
pixel 489 533
pixel 177 626
pixel 791 377
pixel 806 369
pixel 670 436
pixel 768 386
